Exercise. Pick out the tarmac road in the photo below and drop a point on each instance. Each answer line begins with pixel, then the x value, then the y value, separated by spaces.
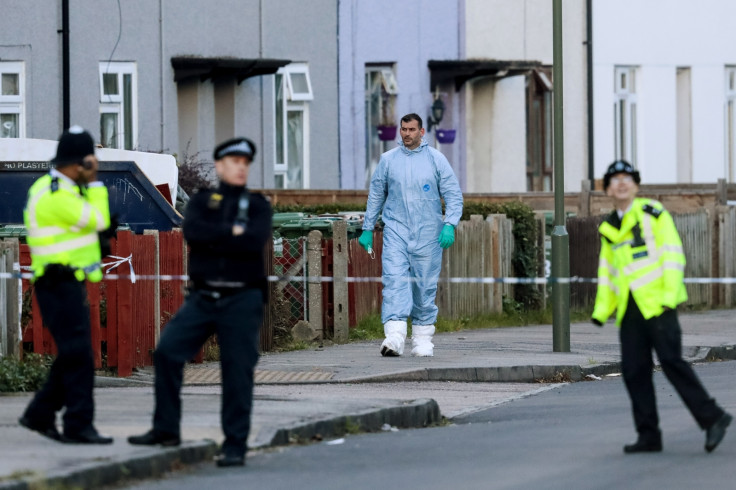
pixel 570 436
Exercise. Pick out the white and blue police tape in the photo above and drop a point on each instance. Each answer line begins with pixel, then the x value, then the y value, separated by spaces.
pixel 452 280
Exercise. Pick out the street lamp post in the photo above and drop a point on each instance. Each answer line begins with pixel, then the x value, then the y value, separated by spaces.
pixel 560 238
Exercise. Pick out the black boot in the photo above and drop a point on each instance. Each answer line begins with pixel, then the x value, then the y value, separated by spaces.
pixel 45 429
pixel 154 438
pixel 714 434
pixel 86 436
pixel 644 445
pixel 226 459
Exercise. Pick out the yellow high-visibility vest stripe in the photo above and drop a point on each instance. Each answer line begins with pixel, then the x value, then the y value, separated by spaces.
pixel 66 246
pixel 83 219
pixel 608 267
pixel 45 231
pixel 646 279
pixel 676 249
pixel 668 264
pixel 607 282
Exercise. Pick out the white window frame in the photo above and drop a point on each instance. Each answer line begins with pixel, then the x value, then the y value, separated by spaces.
pixel 625 114
pixel 729 115
pixel 375 102
pixel 292 102
pixel 114 103
pixel 15 104
pixel 297 69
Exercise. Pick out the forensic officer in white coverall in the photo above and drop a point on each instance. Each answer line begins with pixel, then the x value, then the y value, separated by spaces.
pixel 408 186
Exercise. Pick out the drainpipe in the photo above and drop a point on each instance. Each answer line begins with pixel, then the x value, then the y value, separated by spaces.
pixel 589 54
pixel 65 62
pixel 161 70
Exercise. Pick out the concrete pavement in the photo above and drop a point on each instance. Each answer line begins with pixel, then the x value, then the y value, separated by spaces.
pixel 324 393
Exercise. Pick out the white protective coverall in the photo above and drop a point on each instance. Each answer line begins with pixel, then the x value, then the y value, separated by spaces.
pixel 408 186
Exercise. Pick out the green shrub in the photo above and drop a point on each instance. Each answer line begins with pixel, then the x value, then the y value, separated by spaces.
pixel 326 208
pixel 524 260
pixel 26 375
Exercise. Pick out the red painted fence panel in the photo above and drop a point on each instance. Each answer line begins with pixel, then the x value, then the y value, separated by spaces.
pixel 143 314
pixel 122 313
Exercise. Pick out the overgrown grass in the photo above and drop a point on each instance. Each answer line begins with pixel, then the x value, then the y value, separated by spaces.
pixel 292 345
pixel 371 328
pixel 212 348
pixel 26 375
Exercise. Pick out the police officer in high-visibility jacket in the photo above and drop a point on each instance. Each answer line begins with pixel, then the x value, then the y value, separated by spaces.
pixel 640 277
pixel 66 210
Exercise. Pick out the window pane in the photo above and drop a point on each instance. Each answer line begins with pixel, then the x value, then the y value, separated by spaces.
pixel 10 84
pixel 295 153
pixel 632 81
pixel 279 83
pixel 731 132
pixel 128 111
pixel 548 140
pixel 299 83
pixel 632 138
pixel 622 128
pixel 616 132
pixel 389 81
pixel 279 181
pixel 110 84
pixel 8 125
pixel 109 130
pixel 374 147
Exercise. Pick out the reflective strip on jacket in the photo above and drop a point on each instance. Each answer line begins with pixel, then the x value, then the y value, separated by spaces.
pixel 62 226
pixel 644 255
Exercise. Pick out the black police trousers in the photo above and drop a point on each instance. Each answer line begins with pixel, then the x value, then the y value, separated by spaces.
pixel 663 334
pixel 65 313
pixel 236 319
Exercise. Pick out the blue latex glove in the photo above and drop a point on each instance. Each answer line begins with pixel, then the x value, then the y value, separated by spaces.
pixel 366 240
pixel 447 236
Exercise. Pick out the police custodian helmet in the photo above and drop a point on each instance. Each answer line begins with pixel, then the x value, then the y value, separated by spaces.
pixel 74 145
pixel 620 167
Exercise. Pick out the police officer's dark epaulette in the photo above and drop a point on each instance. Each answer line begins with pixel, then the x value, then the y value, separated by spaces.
pixel 54 184
pixel 649 209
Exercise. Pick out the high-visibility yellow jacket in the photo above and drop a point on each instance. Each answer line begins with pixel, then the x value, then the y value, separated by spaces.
pixel 62 221
pixel 642 254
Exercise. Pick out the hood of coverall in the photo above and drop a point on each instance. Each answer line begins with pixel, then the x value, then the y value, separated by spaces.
pixel 415 150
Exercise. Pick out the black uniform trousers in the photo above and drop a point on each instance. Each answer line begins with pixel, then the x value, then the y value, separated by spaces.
pixel 663 334
pixel 236 318
pixel 65 311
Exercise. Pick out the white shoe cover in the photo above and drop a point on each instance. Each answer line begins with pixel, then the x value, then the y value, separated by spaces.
pixel 395 331
pixel 421 340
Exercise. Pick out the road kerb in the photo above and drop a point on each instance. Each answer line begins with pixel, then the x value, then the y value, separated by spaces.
pixel 146 464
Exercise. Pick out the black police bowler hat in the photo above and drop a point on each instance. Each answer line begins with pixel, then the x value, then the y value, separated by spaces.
pixel 620 167
pixel 74 145
pixel 236 146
